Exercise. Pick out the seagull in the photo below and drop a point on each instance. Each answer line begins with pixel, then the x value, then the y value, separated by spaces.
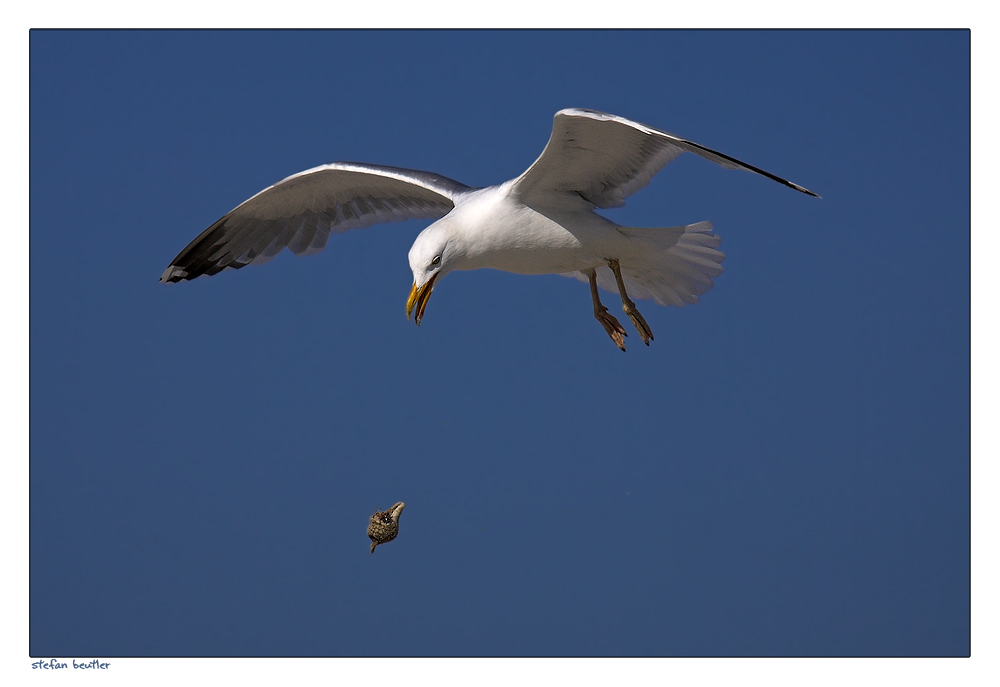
pixel 542 222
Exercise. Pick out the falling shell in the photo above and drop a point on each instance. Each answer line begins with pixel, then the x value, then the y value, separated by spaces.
pixel 384 525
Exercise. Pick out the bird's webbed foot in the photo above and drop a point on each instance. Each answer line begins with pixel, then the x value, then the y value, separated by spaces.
pixel 611 325
pixel 639 321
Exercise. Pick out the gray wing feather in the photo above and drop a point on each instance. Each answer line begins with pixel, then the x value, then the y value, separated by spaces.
pixel 300 213
pixel 604 158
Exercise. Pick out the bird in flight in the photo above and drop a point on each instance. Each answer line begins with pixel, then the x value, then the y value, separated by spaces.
pixel 542 222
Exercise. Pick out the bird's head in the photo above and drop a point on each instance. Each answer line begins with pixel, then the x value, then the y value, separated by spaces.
pixel 432 256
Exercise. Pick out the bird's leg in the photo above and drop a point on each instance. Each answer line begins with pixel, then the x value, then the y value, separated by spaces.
pixel 610 324
pixel 628 306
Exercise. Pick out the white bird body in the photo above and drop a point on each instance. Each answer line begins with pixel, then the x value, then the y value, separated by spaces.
pixel 495 230
pixel 542 222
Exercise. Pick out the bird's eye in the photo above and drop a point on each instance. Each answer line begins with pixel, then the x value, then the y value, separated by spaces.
pixel 436 260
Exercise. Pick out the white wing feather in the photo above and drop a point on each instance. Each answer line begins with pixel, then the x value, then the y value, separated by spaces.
pixel 604 159
pixel 301 212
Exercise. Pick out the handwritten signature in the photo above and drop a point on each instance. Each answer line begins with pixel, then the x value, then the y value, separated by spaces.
pixel 55 665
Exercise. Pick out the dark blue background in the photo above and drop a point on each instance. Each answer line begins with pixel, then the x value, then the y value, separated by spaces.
pixel 785 471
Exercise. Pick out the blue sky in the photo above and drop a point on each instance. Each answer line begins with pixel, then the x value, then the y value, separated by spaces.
pixel 784 471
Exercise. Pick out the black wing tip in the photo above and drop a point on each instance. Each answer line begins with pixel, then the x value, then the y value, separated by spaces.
pixel 174 274
pixel 194 260
pixel 804 190
pixel 751 168
pixel 773 177
pixel 178 272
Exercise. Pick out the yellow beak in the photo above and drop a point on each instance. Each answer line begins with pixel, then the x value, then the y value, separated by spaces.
pixel 418 298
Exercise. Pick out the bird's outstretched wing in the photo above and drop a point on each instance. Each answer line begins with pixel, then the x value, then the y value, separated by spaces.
pixel 604 159
pixel 301 212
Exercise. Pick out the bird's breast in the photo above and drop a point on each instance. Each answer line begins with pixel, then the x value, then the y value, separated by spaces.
pixel 516 238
